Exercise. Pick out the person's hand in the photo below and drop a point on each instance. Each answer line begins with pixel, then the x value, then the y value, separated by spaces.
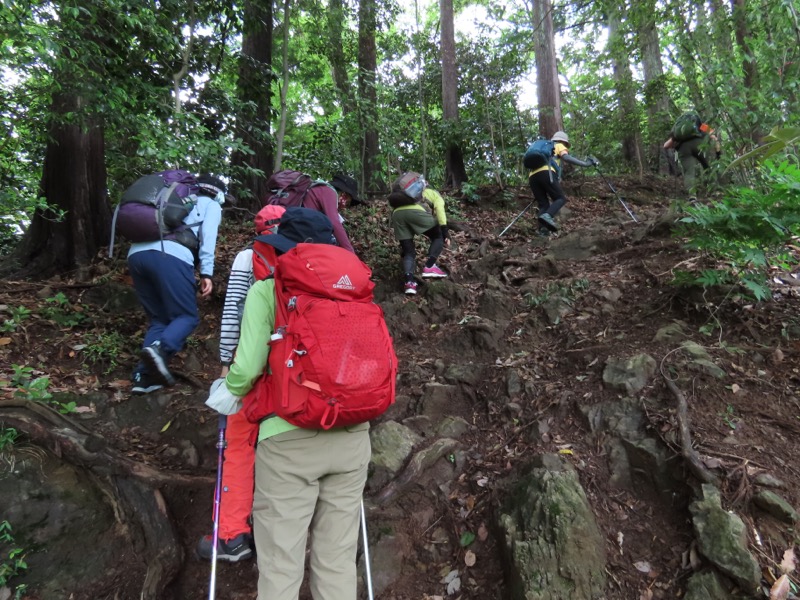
pixel 594 162
pixel 206 286
pixel 445 234
pixel 224 371
pixel 221 400
pixel 669 144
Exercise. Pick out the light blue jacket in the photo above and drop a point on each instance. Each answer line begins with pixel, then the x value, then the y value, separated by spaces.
pixel 208 213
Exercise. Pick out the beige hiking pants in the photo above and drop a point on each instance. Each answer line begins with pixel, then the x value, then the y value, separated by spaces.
pixel 309 480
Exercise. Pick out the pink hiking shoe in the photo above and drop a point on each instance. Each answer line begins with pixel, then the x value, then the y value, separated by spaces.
pixel 433 271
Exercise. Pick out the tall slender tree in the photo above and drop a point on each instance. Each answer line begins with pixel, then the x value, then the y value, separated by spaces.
pixel 455 173
pixel 368 96
pixel 548 88
pixel 254 90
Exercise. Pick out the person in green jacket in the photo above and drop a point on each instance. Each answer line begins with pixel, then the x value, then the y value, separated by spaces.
pixel 305 478
pixel 412 200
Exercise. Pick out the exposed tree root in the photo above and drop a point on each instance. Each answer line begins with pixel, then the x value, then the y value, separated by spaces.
pixel 130 487
pixel 690 455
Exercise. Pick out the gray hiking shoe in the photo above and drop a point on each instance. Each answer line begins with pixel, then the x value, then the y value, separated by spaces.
pixel 548 221
pixel 232 550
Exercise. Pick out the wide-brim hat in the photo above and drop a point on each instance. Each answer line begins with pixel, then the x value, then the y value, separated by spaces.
pixel 348 185
pixel 299 225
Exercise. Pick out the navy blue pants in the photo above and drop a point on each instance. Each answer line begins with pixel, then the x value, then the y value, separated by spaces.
pixel 166 287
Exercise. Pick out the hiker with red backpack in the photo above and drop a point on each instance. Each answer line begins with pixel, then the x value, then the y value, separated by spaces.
pixel 254 263
pixel 163 277
pixel 544 160
pixel 418 209
pixel 314 363
pixel 689 137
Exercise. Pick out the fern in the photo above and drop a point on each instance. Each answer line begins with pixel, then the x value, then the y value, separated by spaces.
pixel 747 231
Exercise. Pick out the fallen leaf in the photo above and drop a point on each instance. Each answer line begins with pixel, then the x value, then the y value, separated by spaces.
pixel 780 589
pixel 483 533
pixel 83 409
pixel 165 427
pixel 5 341
pixel 646 595
pixel 789 562
pixel 735 388
pixel 470 558
pixel 566 451
pixel 642 566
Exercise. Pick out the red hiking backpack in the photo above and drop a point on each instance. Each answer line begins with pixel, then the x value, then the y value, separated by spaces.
pixel 264 257
pixel 332 362
pixel 289 188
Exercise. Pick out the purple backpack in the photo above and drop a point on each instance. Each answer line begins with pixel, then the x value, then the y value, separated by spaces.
pixel 289 188
pixel 154 207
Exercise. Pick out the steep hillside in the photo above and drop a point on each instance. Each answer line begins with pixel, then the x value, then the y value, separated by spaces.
pixel 576 347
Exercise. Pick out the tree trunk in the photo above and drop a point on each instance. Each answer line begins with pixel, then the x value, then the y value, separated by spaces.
pixel 632 145
pixel 73 182
pixel 336 55
pixel 282 126
pixel 547 85
pixel 749 66
pixel 367 67
pixel 254 90
pixel 455 173
pixel 655 90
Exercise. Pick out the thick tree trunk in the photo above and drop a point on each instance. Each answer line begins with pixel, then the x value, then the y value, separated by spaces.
pixel 254 89
pixel 655 91
pixel 547 84
pixel 279 138
pixel 367 67
pixel 73 181
pixel 455 173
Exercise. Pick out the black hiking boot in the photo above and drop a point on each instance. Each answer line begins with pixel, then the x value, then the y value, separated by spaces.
pixel 144 384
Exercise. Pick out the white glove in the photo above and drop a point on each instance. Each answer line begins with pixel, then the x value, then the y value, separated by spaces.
pixel 221 400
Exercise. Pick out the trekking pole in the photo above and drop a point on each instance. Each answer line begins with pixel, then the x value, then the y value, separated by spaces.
pixel 516 219
pixel 223 423
pixel 621 201
pixel 367 569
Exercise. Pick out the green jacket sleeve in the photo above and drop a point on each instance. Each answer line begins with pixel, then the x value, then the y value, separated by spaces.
pixel 437 202
pixel 253 350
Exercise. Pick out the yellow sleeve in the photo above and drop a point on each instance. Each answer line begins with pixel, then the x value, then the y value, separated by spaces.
pixel 437 202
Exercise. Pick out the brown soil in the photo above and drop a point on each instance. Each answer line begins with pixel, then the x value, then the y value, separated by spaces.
pixel 741 425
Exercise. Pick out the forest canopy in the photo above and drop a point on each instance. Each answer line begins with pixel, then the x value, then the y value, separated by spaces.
pixel 96 94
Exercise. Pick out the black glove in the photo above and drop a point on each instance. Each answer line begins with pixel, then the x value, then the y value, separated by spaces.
pixel 445 232
pixel 593 161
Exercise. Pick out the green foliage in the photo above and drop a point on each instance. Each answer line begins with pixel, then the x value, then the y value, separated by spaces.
pixel 104 349
pixel 747 231
pixel 36 389
pixel 12 558
pixel 777 141
pixel 18 315
pixel 569 291
pixel 8 437
pixel 59 309
pixel 466 539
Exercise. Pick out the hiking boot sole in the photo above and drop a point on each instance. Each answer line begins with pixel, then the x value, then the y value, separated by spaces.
pixel 549 224
pixel 231 558
pixel 156 366
pixel 139 390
